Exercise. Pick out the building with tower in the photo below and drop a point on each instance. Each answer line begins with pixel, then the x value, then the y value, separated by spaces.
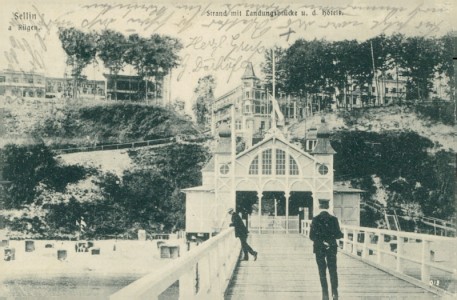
pixel 270 183
pixel 253 108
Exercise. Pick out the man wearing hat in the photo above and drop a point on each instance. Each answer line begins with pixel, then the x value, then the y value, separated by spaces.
pixel 241 232
pixel 325 230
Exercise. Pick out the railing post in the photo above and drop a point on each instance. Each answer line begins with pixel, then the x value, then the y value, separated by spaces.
pixel 226 256
pixel 380 248
pixel 399 255
pixel 355 235
pixel 287 195
pixel 204 272
pixel 222 260
pixel 187 284
pixel 215 284
pixel 345 240
pixel 366 236
pixel 259 196
pixel 308 229
pixel 212 272
pixel 425 259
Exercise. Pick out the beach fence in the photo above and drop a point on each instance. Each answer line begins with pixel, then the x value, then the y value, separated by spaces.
pixel 153 245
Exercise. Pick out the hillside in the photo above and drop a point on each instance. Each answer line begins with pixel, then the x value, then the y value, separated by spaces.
pixel 384 119
pixel 400 159
pixel 390 153
pixel 113 124
pixel 92 124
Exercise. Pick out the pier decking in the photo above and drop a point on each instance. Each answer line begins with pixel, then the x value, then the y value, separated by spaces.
pixel 286 269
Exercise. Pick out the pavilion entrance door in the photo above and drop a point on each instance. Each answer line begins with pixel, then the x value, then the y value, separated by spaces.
pixel 273 224
pixel 273 211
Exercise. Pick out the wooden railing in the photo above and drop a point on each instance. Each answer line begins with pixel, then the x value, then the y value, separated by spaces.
pixel 272 224
pixel 204 272
pixel 104 147
pixel 442 227
pixel 425 260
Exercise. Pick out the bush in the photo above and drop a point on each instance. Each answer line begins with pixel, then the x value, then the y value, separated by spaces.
pixel 438 111
pixel 117 123
pixel 28 166
pixel 409 172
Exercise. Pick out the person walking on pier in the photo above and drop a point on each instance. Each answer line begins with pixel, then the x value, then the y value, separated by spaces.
pixel 324 232
pixel 241 232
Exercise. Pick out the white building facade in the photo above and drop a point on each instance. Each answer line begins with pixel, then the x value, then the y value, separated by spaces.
pixel 271 168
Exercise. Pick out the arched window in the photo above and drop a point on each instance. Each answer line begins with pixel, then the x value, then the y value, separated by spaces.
pixel 254 167
pixel 266 162
pixel 280 162
pixel 293 167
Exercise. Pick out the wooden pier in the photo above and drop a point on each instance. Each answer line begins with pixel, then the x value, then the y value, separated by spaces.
pixel 286 269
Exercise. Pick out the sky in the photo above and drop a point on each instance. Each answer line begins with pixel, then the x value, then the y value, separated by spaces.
pixel 214 43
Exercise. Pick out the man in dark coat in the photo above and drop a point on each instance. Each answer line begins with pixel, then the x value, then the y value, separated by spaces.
pixel 324 232
pixel 241 232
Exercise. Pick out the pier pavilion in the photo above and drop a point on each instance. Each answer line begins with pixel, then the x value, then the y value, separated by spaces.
pixel 274 184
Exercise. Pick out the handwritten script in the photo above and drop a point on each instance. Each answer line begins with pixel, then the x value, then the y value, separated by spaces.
pixel 224 37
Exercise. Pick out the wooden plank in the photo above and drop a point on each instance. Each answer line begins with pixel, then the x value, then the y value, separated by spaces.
pixel 317 295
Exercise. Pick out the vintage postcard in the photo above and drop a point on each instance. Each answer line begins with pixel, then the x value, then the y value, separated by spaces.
pixel 228 150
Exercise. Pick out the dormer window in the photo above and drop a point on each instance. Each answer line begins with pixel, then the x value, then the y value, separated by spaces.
pixel 310 144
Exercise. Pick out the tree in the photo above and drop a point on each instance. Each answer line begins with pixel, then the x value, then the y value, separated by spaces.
pixel 349 66
pixel 204 93
pixel 395 46
pixel 178 105
pixel 415 179
pixel 80 48
pixel 420 60
pixel 165 171
pixel 27 166
pixel 112 47
pixel 309 67
pixel 448 66
pixel 379 58
pixel 152 57
pixel 364 71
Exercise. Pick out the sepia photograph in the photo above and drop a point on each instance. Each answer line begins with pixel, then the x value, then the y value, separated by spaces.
pixel 235 150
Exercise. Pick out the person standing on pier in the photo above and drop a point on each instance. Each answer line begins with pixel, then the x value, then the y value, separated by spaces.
pixel 325 230
pixel 241 232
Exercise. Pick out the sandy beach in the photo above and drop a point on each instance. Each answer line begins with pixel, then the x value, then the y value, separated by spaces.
pixel 40 275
